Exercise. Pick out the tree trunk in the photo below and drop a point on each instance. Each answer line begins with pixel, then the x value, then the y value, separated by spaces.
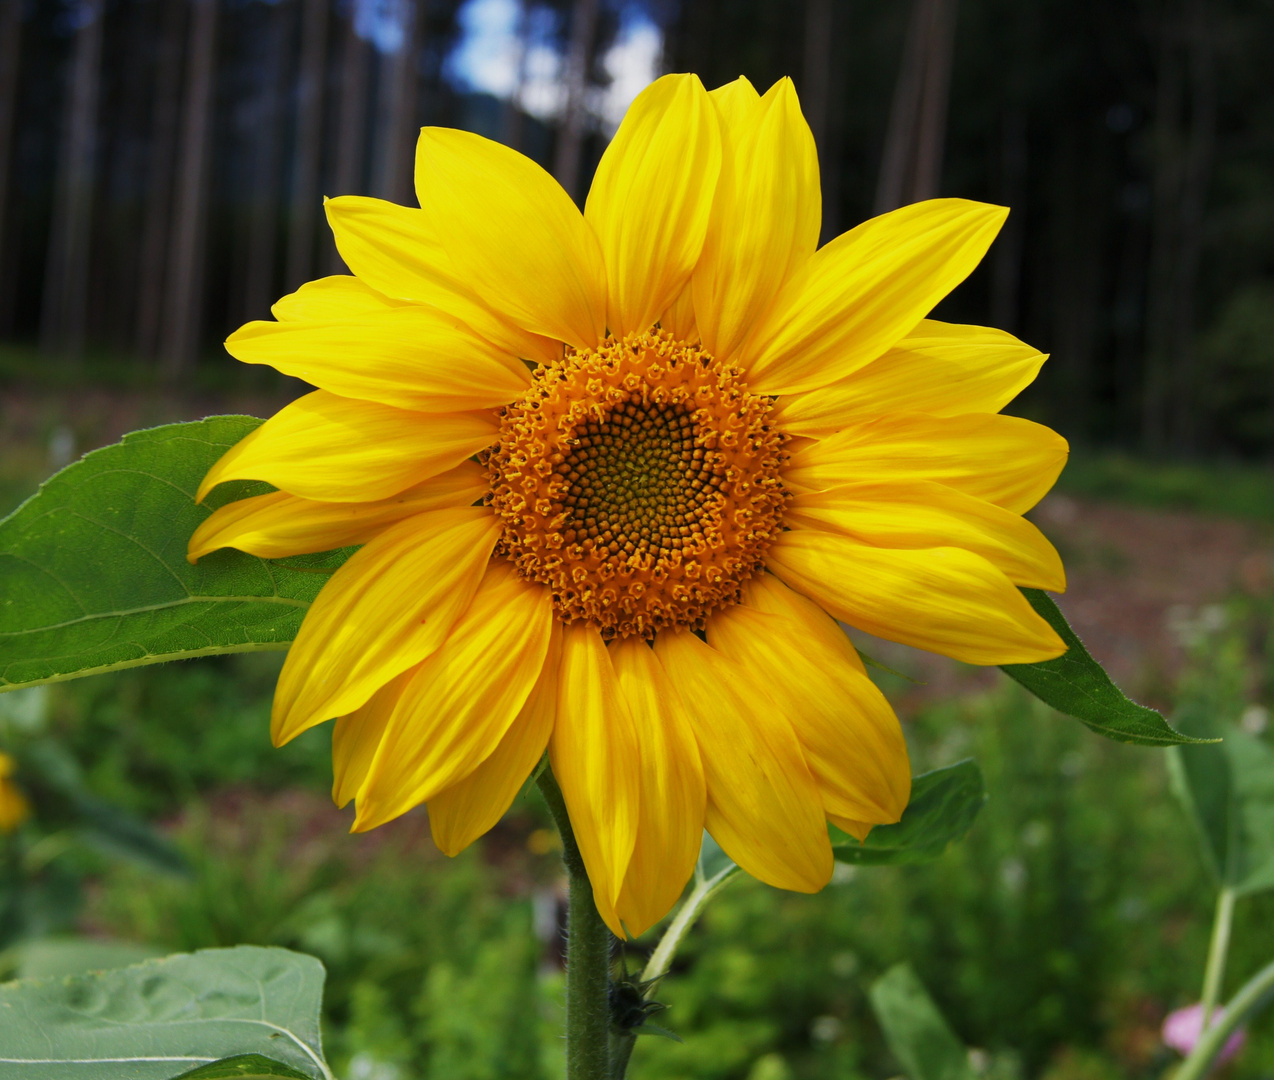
pixel 513 119
pixel 1184 152
pixel 65 303
pixel 10 35
pixel 159 181
pixel 911 166
pixel 1200 153
pixel 183 309
pixel 351 135
pixel 263 217
pixel 306 209
pixel 1006 258
pixel 398 84
pixel 579 63
pixel 820 91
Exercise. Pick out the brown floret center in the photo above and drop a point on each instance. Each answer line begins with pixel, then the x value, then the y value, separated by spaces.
pixel 640 481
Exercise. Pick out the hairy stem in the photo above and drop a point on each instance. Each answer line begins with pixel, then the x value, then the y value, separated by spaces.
pixel 687 915
pixel 588 946
pixel 1214 974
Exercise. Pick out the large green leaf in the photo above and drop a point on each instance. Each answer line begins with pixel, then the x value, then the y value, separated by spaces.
pixel 161 1018
pixel 93 571
pixel 915 1030
pixel 1078 686
pixel 943 804
pixel 1228 791
pixel 242 1067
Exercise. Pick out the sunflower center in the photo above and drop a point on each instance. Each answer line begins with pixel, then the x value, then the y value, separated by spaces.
pixel 640 482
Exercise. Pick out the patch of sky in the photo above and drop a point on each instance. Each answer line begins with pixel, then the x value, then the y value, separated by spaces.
pixel 382 22
pixel 514 51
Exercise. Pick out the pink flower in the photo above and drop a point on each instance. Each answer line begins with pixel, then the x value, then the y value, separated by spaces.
pixel 1182 1028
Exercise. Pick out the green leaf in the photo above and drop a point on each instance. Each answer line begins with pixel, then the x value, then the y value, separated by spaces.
pixel 93 571
pixel 1228 791
pixel 915 1030
pixel 943 804
pixel 160 1018
pixel 1078 686
pixel 242 1067
pixel 656 1030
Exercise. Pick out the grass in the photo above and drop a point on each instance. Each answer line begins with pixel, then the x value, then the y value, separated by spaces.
pixel 1226 489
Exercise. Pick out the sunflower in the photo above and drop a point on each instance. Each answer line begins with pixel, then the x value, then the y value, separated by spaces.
pixel 616 476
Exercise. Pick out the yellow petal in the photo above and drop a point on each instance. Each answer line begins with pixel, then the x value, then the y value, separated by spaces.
pixel 513 235
pixel 849 734
pixel 467 809
pixel 766 216
pixel 411 357
pixel 394 251
pixel 1003 459
pixel 356 736
pixel 679 318
pixel 277 525
pixel 594 752
pixel 764 807
pixel 673 793
pixel 923 514
pixel 946 600
pixel 767 593
pixel 333 298
pixel 651 197
pixel 336 449
pixel 942 369
pixel 861 293
pixel 391 605
pixel 454 711
pixel 857 829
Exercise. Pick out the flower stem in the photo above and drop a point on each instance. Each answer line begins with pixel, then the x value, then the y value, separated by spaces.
pixel 660 961
pixel 687 915
pixel 1214 973
pixel 1250 997
pixel 588 947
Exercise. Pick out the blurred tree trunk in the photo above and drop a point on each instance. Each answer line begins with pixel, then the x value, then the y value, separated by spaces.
pixel 66 271
pixel 351 135
pixel 1011 169
pixel 816 95
pixel 159 181
pixel 305 208
pixel 1184 150
pixel 513 120
pixel 579 66
pixel 263 215
pixel 911 166
pixel 10 35
pixel 397 99
pixel 1006 257
pixel 183 307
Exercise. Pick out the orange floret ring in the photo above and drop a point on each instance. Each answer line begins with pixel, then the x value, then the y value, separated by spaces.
pixel 640 481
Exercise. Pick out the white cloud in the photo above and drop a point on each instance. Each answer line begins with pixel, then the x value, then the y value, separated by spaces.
pixel 487 55
pixel 492 57
pixel 632 63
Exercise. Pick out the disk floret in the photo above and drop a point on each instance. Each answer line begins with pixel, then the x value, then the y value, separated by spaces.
pixel 640 481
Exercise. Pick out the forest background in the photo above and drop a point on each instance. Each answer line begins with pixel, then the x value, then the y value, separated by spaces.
pixel 162 166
